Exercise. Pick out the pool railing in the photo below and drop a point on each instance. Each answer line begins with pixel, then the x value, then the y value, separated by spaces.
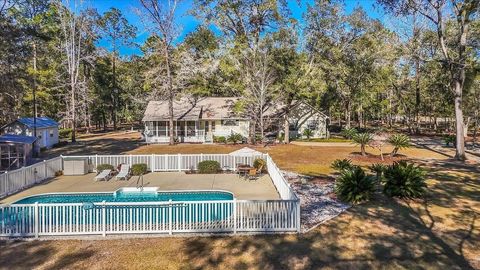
pixel 108 218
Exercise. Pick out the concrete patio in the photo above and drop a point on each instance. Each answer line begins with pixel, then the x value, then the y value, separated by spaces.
pixel 260 189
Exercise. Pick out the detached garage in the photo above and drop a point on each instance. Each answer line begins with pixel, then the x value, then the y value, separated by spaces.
pixel 47 130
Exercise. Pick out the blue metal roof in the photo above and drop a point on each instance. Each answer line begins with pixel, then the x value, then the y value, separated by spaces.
pixel 42 122
pixel 12 138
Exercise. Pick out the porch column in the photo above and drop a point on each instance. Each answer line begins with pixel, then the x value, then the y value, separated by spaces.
pixel 210 127
pixel 156 128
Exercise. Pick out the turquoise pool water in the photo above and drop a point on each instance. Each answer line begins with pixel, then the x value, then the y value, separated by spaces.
pixel 88 213
pixel 120 196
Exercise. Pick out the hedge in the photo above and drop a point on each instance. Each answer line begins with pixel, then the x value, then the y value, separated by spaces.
pixel 139 169
pixel 208 166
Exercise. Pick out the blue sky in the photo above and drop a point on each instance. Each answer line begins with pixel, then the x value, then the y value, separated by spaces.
pixel 188 23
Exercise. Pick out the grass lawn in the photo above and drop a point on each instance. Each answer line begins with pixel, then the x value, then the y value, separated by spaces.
pixel 440 232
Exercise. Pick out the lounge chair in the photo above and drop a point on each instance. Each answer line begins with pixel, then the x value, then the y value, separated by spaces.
pixel 124 172
pixel 104 175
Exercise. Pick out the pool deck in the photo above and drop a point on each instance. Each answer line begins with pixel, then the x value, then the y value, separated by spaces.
pixel 260 189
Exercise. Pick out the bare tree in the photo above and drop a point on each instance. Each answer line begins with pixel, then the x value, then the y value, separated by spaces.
pixel 74 27
pixel 161 14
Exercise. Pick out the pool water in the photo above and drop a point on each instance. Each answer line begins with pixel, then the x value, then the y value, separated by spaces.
pixel 120 196
pixel 191 206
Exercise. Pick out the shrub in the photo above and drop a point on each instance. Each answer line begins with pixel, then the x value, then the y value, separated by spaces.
pixel 260 164
pixel 219 139
pixel 348 133
pixel 404 180
pixel 235 138
pixel 307 133
pixel 139 169
pixel 58 173
pixel 101 167
pixel 341 164
pixel 354 185
pixel 399 141
pixel 65 133
pixel 378 169
pixel 363 139
pixel 208 166
pixel 450 139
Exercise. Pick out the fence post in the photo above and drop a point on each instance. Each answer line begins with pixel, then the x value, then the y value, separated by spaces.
pixel 96 163
pixel 297 202
pixel 36 220
pixel 130 160
pixel 170 217
pixel 152 162
pixel 179 159
pixel 104 219
pixel 45 173
pixel 234 215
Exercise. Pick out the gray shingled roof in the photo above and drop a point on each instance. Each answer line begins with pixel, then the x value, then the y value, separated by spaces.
pixel 186 109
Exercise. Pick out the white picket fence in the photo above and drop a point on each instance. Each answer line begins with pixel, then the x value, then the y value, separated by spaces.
pixel 14 181
pixel 142 218
pixel 27 220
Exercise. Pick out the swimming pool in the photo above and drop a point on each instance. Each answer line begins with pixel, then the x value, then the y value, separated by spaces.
pixel 127 195
pixel 124 206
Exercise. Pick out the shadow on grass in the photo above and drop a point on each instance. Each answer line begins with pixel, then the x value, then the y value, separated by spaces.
pixel 385 233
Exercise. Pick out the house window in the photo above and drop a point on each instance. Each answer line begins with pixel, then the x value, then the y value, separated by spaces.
pixel 51 132
pixel 213 126
pixel 312 124
pixel 230 122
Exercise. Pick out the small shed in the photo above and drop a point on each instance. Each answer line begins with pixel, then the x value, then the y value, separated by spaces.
pixel 16 151
pixel 47 130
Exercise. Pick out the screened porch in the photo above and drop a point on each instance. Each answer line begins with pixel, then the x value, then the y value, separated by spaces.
pixel 184 131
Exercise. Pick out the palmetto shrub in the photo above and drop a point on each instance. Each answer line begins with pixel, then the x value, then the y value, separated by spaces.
pixel 260 164
pixel 308 133
pixel 404 180
pixel 450 139
pixel 235 138
pixel 348 133
pixel 354 186
pixel 341 164
pixel 363 139
pixel 378 169
pixel 399 141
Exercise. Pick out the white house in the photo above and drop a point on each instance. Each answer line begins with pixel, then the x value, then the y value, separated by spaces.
pixel 198 121
pixel 47 130
pixel 195 120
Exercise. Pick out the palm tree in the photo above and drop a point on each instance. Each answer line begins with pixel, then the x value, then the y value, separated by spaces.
pixel 362 139
pixel 308 133
pixel 398 141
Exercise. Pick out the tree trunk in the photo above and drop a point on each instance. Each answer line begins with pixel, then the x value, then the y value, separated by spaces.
pixel 460 142
pixel 171 95
pixel 114 93
pixel 347 115
pixel 286 126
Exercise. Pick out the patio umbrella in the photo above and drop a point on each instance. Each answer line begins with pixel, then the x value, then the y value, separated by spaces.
pixel 245 152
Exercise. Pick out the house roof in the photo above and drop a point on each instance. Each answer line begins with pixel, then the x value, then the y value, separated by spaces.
pixel 188 109
pixel 41 122
pixel 12 138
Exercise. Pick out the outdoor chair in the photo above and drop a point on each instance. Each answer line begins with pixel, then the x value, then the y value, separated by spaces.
pixel 253 174
pixel 124 172
pixel 104 175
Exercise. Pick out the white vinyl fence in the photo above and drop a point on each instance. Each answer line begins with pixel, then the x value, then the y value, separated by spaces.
pixel 141 218
pixel 27 220
pixel 14 181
